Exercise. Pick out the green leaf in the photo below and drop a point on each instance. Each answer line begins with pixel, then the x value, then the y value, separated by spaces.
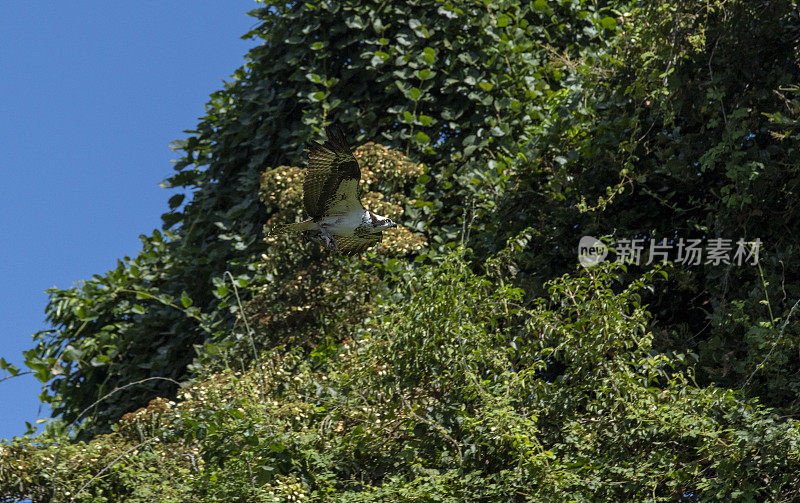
pixel 185 299
pixel 354 22
pixel 540 5
pixel 176 200
pixel 503 21
pixel 429 55
pixel 99 361
pixel 609 23
pixel 425 74
pixel 414 93
pixel 71 353
pixel 8 367
pixel 422 137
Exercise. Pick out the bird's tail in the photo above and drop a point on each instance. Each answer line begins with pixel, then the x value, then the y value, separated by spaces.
pixel 307 225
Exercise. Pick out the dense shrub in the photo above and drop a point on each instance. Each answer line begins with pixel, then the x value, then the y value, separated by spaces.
pixel 451 390
pixel 464 358
pixel 457 86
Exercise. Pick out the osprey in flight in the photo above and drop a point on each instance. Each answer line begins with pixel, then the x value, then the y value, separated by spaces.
pixel 331 199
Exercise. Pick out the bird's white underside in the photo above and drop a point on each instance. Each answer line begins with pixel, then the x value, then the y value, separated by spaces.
pixel 343 225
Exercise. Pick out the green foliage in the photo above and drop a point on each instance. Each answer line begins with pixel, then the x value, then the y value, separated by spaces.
pixel 687 130
pixel 457 85
pixel 119 328
pixel 426 371
pixel 709 158
pixel 321 294
pixel 451 391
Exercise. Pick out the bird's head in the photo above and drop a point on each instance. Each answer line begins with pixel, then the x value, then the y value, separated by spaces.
pixel 380 223
pixel 388 224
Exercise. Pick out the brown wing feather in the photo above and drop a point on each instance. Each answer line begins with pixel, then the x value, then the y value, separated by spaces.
pixel 357 244
pixel 328 165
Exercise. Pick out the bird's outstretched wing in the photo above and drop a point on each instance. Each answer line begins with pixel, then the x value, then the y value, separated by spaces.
pixel 357 243
pixel 331 184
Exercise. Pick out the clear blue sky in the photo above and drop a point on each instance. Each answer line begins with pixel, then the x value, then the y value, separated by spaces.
pixel 91 94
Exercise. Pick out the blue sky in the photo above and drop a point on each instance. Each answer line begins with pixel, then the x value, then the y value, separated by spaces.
pixel 92 93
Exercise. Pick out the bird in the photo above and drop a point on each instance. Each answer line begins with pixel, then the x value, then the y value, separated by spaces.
pixel 337 219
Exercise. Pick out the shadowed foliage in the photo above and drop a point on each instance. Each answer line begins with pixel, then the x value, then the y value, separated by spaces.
pixel 467 357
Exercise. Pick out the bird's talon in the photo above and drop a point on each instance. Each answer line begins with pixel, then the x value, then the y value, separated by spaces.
pixel 330 243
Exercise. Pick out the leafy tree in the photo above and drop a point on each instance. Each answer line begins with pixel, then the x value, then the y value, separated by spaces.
pixel 456 85
pixel 445 393
pixel 691 133
pixel 495 372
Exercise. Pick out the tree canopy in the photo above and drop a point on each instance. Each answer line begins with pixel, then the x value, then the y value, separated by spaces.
pixel 470 358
